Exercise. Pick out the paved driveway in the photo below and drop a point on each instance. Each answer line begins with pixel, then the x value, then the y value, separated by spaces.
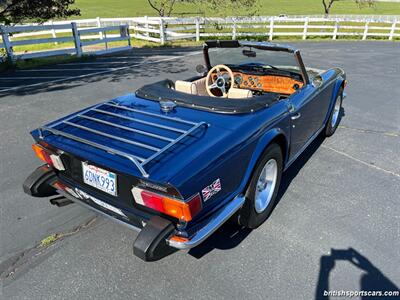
pixel 336 226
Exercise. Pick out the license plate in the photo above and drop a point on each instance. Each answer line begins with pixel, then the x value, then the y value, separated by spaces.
pixel 99 178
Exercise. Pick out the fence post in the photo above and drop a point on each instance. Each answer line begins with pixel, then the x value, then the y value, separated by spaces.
pixel 335 30
pixel 105 40
pixel 197 22
pixel 365 31
pixel 271 29
pixel 234 29
pixel 162 31
pixel 77 39
pixel 146 26
pixel 392 30
pixel 98 21
pixel 6 42
pixel 53 32
pixel 128 34
pixel 305 28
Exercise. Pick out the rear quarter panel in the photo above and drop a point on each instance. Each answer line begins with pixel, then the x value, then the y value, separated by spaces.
pixel 233 159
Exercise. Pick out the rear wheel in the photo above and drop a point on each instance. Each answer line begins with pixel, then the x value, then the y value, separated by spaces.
pixel 335 117
pixel 263 189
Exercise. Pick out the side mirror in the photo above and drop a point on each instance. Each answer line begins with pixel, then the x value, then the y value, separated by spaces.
pixel 317 81
pixel 201 69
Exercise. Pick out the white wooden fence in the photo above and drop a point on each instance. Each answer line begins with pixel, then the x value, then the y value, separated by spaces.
pixel 162 30
pixel 14 36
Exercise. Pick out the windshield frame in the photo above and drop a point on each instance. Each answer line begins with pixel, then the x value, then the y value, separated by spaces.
pixel 258 45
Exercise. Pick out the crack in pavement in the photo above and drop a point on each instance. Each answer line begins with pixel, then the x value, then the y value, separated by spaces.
pixel 386 133
pixel 361 161
pixel 12 265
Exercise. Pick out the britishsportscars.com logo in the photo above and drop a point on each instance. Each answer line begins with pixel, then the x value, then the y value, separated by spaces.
pixel 350 294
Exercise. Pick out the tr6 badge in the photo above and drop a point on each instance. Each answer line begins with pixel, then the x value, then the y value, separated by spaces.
pixel 211 190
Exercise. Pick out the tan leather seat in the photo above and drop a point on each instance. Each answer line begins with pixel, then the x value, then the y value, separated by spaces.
pixel 235 93
pixel 186 87
pixel 201 86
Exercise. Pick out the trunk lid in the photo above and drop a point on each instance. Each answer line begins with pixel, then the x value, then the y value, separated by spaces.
pixel 133 136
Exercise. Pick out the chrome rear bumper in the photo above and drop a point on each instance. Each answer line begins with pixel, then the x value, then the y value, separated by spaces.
pixel 214 223
pixel 156 237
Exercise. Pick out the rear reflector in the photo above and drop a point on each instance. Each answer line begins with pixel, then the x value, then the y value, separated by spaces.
pixel 176 208
pixel 48 157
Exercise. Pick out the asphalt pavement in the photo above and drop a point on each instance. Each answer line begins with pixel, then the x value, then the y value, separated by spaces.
pixel 336 226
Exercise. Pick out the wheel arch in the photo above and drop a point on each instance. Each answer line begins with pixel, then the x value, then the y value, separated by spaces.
pixel 338 85
pixel 277 136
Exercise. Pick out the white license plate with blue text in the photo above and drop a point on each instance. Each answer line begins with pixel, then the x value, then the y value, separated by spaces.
pixel 99 178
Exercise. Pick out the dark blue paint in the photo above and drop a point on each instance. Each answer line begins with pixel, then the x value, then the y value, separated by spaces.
pixel 228 149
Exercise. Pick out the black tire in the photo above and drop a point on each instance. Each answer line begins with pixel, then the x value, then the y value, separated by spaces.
pixel 330 128
pixel 248 216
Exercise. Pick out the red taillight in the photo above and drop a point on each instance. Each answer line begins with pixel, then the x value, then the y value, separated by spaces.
pixel 48 157
pixel 152 200
pixel 176 208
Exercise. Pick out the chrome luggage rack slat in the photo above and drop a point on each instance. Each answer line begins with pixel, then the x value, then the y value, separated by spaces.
pixel 138 161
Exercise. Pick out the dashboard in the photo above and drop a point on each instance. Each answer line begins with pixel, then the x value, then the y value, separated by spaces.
pixel 266 83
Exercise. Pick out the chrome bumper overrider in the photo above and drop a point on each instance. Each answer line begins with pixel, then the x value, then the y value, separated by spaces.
pixel 214 223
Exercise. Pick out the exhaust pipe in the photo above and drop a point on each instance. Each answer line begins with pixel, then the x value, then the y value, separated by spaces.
pixel 60 201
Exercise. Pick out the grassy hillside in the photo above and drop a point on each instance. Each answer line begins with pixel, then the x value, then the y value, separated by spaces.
pixel 129 8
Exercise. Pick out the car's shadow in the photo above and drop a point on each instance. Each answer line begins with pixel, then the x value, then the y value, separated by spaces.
pixel 138 66
pixel 231 235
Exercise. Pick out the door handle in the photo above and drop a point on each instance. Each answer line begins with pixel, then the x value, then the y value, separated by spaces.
pixel 295 116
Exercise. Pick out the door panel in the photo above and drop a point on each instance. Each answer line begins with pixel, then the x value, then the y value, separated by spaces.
pixel 308 111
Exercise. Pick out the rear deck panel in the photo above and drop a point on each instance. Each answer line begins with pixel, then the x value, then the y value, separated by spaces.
pixel 128 132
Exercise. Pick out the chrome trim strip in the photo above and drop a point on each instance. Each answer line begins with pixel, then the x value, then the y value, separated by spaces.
pixel 75 200
pixel 156 136
pixel 216 221
pixel 110 136
pixel 139 121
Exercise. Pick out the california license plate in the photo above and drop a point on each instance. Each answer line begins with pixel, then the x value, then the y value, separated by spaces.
pixel 99 178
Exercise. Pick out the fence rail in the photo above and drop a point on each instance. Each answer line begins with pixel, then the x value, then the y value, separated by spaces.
pixel 162 30
pixel 90 32
pixel 16 36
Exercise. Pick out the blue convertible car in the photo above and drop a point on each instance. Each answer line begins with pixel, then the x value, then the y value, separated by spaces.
pixel 177 159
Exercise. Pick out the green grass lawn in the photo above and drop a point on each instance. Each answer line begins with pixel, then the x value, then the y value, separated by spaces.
pixel 132 8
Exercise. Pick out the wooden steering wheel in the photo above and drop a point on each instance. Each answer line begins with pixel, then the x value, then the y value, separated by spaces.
pixel 223 82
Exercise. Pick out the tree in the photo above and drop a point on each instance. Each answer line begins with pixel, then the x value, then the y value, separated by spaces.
pixel 17 11
pixel 361 3
pixel 226 8
pixel 164 8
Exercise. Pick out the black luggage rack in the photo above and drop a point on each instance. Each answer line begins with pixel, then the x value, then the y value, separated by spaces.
pixel 138 161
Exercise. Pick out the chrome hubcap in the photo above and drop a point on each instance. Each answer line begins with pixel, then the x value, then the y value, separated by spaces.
pixel 336 111
pixel 266 185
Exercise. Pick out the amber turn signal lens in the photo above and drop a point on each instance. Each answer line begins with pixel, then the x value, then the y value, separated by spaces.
pixel 178 239
pixel 41 153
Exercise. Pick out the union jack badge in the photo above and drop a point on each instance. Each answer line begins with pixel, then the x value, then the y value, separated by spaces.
pixel 211 190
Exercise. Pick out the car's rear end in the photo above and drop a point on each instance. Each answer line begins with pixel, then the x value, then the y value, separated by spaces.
pixel 100 158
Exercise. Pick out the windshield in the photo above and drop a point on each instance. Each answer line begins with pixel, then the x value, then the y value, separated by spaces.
pixel 250 56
